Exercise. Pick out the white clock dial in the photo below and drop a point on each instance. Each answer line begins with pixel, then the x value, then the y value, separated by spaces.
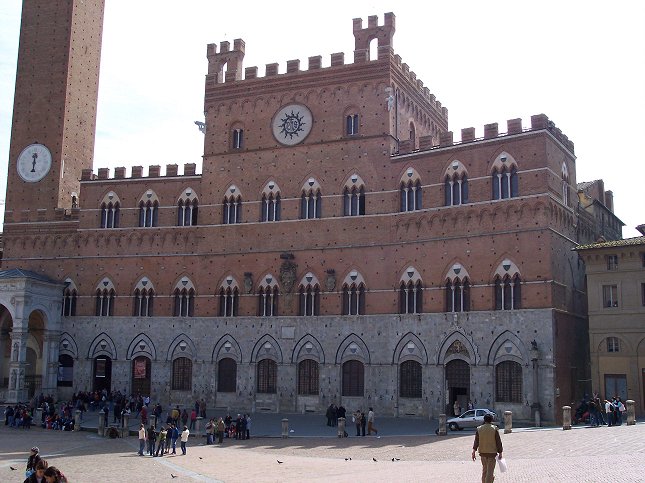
pixel 292 124
pixel 34 163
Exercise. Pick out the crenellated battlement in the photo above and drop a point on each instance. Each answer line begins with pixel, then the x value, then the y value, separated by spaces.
pixel 491 131
pixel 154 171
pixel 232 60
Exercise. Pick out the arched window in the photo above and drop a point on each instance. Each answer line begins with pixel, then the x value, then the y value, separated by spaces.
pixel 105 295
pixel 505 183
pixel 267 376
pixel 232 206
pixel 411 297
pixel 268 293
pixel 354 197
pixel 411 195
pixel 456 184
pixel 184 295
pixel 144 294
pixel 354 298
pixel 226 375
pixel 187 208
pixel 508 292
pixel 110 211
pixel 351 124
pixel 309 295
pixel 353 379
pixel 229 298
pixel 270 206
pixel 70 294
pixel 410 379
pixel 310 200
pixel 308 379
pixel 458 295
pixel 508 382
pixel 565 185
pixel 238 138
pixel 65 371
pixel 182 374
pixel 148 209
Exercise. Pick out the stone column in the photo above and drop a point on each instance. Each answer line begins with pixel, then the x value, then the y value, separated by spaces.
pixel 50 362
pixel 341 427
pixel 38 417
pixel 442 425
pixel 77 420
pixel 566 417
pixel 631 412
pixel 125 429
pixel 198 426
pixel 535 407
pixel 18 365
pixel 508 422
pixel 285 428
pixel 101 428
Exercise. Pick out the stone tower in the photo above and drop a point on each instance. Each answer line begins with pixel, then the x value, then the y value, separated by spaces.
pixel 54 115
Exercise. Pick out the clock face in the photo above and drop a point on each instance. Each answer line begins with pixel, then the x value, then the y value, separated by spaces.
pixel 34 163
pixel 292 124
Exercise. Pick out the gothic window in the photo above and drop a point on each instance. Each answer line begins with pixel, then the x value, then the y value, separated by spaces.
pixel 354 197
pixel 110 211
pixel 411 297
pixel 148 209
pixel 410 195
pixel 105 295
pixel 456 184
pixel 565 185
pixel 182 374
pixel 238 138
pixel 508 292
pixel 270 205
pixel 354 294
pixel 229 298
pixel 309 295
pixel 504 177
pixel 226 375
pixel 457 295
pixel 184 298
pixel 70 294
pixel 268 293
pixel 508 382
pixel 353 379
pixel 232 206
pixel 144 294
pixel 351 125
pixel 310 200
pixel 410 379
pixel 308 379
pixel 187 208
pixel 267 376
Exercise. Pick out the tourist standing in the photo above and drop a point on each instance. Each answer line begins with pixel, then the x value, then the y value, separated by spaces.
pixel 356 417
pixel 489 443
pixel 174 435
pixel 142 439
pixel 370 422
pixel 152 436
pixel 609 412
pixel 184 439
pixel 247 417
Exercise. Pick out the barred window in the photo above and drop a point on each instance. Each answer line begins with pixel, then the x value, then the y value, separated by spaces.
pixel 308 378
pixel 508 388
pixel 353 379
pixel 267 376
pixel 182 374
pixel 410 379
pixel 226 375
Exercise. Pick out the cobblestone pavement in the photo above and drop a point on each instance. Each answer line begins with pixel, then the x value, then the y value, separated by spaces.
pixel 545 455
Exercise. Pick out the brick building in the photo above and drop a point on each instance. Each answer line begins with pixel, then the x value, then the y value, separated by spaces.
pixel 338 245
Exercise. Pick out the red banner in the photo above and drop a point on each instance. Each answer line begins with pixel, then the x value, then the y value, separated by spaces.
pixel 140 369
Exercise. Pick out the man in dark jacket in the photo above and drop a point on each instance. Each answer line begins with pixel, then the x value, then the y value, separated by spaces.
pixel 489 443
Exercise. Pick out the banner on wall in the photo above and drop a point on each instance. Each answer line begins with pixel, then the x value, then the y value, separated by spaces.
pixel 140 369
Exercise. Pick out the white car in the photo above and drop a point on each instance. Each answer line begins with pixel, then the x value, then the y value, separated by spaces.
pixel 470 419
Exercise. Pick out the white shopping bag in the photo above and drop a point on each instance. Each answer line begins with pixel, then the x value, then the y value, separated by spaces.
pixel 502 465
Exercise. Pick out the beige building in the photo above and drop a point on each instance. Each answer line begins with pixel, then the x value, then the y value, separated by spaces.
pixel 616 293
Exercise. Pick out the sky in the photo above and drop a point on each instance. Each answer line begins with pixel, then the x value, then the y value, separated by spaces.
pixel 582 63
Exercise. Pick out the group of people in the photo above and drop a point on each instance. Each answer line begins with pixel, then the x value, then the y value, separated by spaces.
pixel 600 412
pixel 360 420
pixel 18 416
pixel 163 441
pixel 39 471
pixel 333 413
pixel 238 428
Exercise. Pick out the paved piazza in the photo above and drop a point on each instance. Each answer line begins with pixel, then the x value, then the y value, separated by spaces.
pixel 547 455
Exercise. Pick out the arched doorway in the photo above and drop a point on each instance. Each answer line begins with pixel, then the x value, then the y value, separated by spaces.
pixel 102 373
pixel 141 375
pixel 35 343
pixel 457 384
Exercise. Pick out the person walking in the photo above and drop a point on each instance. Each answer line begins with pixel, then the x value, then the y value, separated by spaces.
pixel 184 439
pixel 489 444
pixel 142 439
pixel 193 419
pixel 174 435
pixel 370 423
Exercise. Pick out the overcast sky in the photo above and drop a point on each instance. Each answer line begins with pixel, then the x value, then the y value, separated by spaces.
pixel 582 63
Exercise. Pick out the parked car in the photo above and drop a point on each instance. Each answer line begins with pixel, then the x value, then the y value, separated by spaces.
pixel 470 419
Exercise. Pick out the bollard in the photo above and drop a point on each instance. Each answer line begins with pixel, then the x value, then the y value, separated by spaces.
pixel 341 427
pixel 198 426
pixel 285 428
pixel 101 428
pixel 39 417
pixel 631 412
pixel 442 425
pixel 77 420
pixel 508 422
pixel 566 417
pixel 125 429
pixel 538 418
